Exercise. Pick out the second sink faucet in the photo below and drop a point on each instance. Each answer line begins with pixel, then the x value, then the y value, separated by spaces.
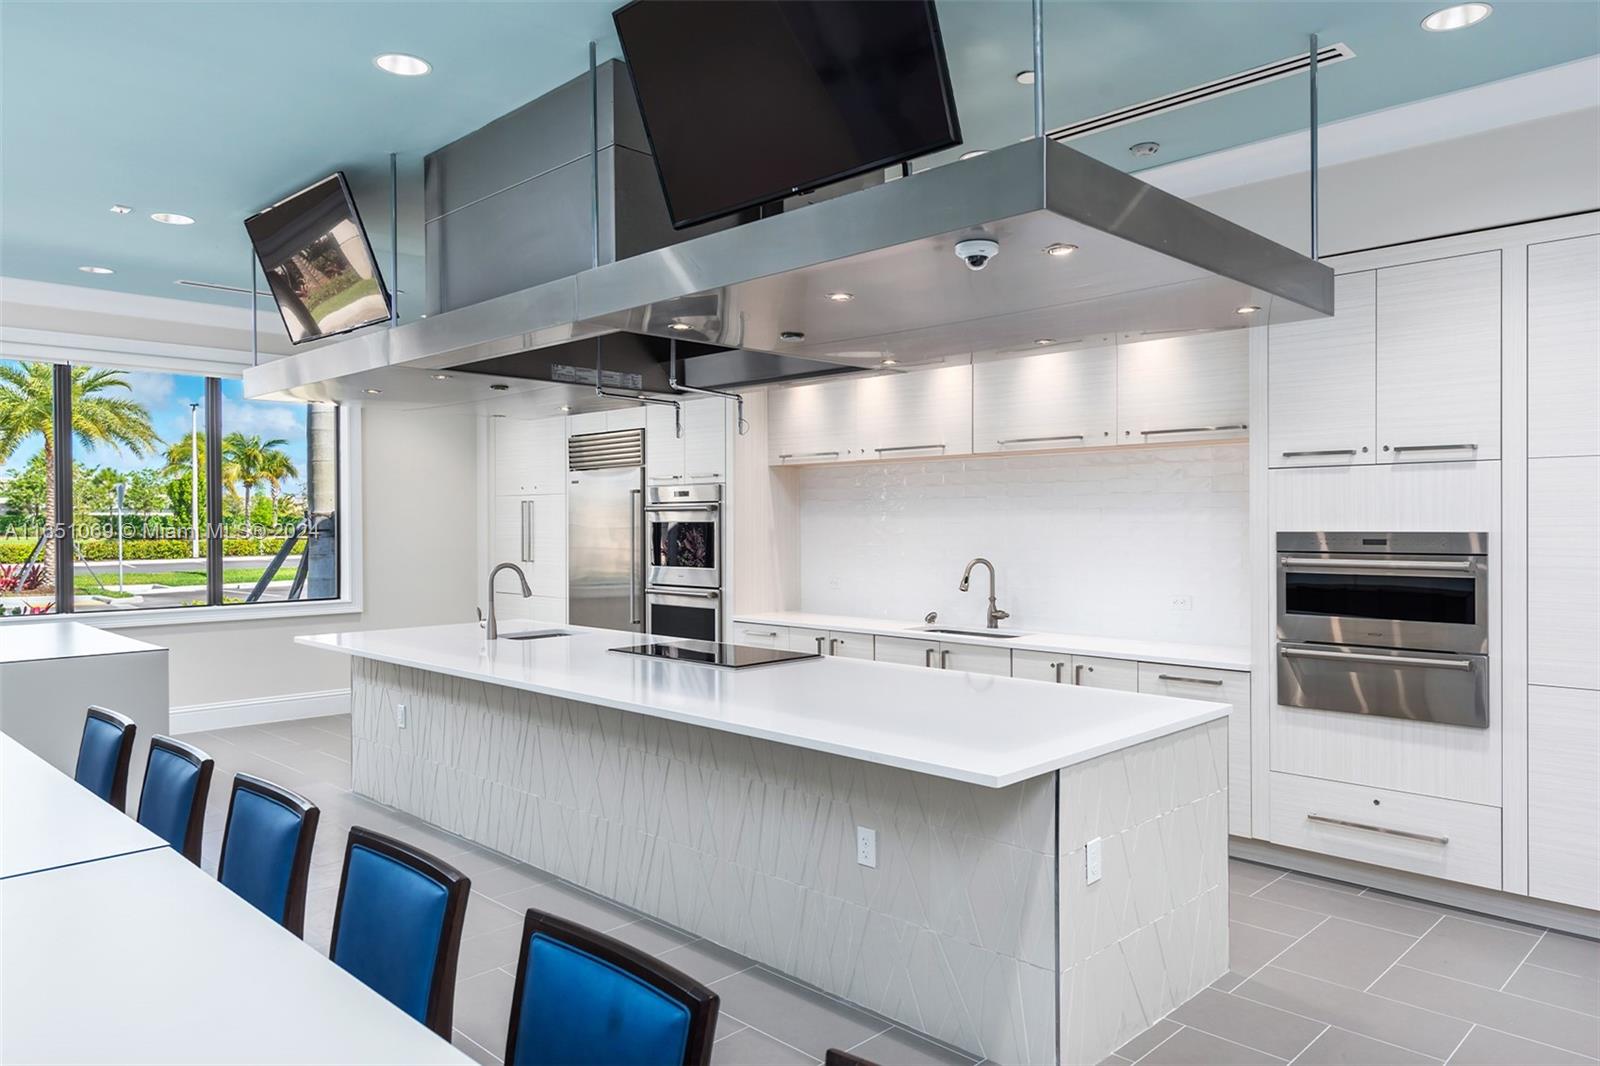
pixel 995 613
pixel 491 627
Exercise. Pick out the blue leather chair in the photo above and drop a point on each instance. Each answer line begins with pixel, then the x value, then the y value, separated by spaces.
pixel 103 755
pixel 397 925
pixel 266 849
pixel 172 803
pixel 586 999
pixel 835 1057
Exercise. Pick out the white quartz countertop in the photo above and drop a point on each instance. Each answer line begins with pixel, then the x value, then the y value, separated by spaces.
pixel 37 641
pixel 984 730
pixel 1204 656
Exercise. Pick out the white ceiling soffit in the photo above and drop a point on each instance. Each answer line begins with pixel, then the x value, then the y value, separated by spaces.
pixel 1539 94
pixel 1277 70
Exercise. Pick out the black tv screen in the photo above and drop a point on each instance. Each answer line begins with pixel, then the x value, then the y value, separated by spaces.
pixel 318 262
pixel 748 101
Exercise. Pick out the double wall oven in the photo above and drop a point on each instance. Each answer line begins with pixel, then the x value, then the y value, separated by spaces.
pixel 683 561
pixel 1392 624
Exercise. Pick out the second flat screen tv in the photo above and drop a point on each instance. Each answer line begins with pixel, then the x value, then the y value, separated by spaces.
pixel 748 101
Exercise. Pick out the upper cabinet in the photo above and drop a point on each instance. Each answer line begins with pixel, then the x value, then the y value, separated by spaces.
pixel 1322 381
pixel 1062 399
pixel 1564 348
pixel 530 458
pixel 699 453
pixel 1177 389
pixel 812 423
pixel 1438 360
pixel 926 413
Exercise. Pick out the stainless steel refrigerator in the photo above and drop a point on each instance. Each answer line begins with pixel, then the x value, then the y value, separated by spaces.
pixel 605 536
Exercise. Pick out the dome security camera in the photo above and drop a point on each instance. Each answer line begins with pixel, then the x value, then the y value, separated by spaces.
pixel 977 253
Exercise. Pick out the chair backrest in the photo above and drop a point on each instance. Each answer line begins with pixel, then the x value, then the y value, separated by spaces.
pixel 835 1057
pixel 266 849
pixel 586 999
pixel 103 755
pixel 397 925
pixel 172 803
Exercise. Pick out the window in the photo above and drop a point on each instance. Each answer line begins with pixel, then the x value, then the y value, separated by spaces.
pixel 131 511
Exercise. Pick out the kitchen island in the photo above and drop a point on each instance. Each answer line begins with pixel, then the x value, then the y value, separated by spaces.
pixel 727 803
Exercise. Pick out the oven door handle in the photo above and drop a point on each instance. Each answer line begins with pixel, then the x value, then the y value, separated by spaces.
pixel 1310 562
pixel 658 594
pixel 651 508
pixel 1382 660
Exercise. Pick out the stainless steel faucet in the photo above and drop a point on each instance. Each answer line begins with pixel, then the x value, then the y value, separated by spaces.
pixel 995 613
pixel 490 625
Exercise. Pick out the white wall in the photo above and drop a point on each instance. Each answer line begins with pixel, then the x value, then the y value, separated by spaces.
pixel 418 555
pixel 1092 543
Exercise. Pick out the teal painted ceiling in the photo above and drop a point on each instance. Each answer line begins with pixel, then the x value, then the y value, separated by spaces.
pixel 216 108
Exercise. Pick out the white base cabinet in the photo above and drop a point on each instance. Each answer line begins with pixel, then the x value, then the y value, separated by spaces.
pixel 1564 795
pixel 973 658
pixel 1219 686
pixel 830 642
pixel 1083 670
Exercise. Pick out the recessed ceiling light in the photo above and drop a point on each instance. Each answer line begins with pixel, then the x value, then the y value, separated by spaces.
pixel 1060 251
pixel 373 392
pixel 1042 341
pixel 681 327
pixel 565 409
pixel 841 297
pixel 1144 148
pixel 791 335
pixel 1456 17
pixel 975 153
pixel 1247 309
pixel 1024 77
pixel 441 377
pixel 97 270
pixel 404 65
pixel 172 218
pixel 889 362
pixel 120 209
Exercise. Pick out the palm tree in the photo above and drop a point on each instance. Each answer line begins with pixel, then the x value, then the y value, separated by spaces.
pixel 253 460
pixel 27 407
pixel 277 469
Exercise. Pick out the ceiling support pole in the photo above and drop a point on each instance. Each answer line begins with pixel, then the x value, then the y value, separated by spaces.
pixel 394 240
pixel 594 152
pixel 1038 69
pixel 1314 206
pixel 255 346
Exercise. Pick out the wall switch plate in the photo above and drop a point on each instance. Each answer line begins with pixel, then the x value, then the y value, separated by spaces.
pixel 400 715
pixel 1091 861
pixel 867 846
pixel 1183 603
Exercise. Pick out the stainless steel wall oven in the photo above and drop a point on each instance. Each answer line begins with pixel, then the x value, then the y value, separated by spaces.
pixel 683 561
pixel 1392 624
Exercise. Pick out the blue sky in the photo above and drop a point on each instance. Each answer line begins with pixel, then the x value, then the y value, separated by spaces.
pixel 168 396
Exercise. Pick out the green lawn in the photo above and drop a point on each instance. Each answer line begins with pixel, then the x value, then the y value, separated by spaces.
pixel 364 287
pixel 86 583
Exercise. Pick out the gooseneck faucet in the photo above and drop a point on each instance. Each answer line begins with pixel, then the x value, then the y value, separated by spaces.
pixel 490 625
pixel 995 613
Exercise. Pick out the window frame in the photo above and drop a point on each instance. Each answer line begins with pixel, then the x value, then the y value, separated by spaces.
pixel 349 600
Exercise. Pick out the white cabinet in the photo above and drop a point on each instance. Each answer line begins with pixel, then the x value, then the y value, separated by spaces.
pixel 830 642
pixel 531 531
pixel 530 457
pixel 1215 686
pixel 1322 381
pixel 757 635
pixel 1065 399
pixel 1186 388
pixel 922 413
pixel 803 639
pixel 698 454
pixel 1438 363
pixel 1564 347
pixel 588 422
pixel 812 423
pixel 1564 795
pixel 973 658
pixel 1054 667
pixel 906 651
pixel 1085 671
pixel 1564 572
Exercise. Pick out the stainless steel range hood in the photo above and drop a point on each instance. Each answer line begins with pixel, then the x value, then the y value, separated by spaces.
pixel 1146 262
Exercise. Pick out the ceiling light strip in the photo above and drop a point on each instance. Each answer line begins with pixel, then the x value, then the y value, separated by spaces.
pixel 1245 79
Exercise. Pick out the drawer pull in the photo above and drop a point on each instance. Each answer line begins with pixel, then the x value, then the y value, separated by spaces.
pixel 910 448
pixel 1039 440
pixel 753 633
pixel 1190 680
pixel 1432 448
pixel 1320 451
pixel 809 455
pixel 1381 660
pixel 1191 429
pixel 1386 831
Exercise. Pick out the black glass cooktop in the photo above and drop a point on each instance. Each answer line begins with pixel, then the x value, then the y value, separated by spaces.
pixel 732 656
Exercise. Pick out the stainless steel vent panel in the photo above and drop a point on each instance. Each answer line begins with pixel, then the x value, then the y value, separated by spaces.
pixel 597 451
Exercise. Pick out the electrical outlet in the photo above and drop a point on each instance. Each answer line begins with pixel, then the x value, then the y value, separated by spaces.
pixel 1183 603
pixel 867 846
pixel 1091 861
pixel 400 715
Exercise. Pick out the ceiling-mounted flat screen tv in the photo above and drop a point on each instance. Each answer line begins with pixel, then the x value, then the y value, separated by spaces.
pixel 318 262
pixel 747 101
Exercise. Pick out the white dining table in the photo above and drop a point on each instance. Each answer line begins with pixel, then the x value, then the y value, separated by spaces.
pixel 48 820
pixel 113 951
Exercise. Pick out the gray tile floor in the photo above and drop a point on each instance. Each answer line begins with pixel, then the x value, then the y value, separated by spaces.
pixel 1322 972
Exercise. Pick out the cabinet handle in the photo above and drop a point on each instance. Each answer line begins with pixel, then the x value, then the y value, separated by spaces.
pixel 1385 830
pixel 833 645
pixel 1321 451
pixel 1039 440
pixel 910 448
pixel 1189 680
pixel 1077 673
pixel 1058 667
pixel 1191 429
pixel 753 633
pixel 809 455
pixel 527 531
pixel 944 658
pixel 819 645
pixel 1382 660
pixel 704 475
pixel 1431 448
pixel 635 513
pixel 927 657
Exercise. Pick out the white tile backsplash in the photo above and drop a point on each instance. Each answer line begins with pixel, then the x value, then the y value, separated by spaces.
pixel 1096 543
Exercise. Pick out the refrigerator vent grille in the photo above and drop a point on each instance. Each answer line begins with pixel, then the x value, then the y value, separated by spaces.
pixel 601 451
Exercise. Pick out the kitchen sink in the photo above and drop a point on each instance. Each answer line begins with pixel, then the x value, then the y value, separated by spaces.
pixel 536 634
pixel 997 634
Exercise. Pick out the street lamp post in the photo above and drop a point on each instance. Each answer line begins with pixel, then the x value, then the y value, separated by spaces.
pixel 194 480
pixel 121 505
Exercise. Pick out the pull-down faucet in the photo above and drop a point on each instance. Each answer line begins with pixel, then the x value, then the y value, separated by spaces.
pixel 490 625
pixel 995 613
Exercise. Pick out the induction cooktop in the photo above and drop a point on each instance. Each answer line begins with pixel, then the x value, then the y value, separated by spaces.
pixel 732 656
